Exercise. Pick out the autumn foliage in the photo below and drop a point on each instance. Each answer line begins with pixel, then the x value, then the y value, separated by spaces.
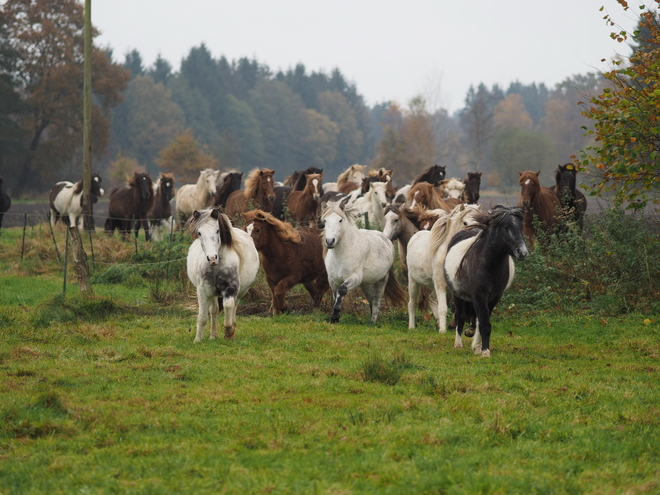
pixel 626 119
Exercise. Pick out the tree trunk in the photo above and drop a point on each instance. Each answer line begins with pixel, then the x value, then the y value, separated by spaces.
pixel 80 259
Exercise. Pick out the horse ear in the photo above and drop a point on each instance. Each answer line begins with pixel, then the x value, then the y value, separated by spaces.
pixel 478 174
pixel 538 173
pixel 214 214
pixel 196 214
pixel 520 173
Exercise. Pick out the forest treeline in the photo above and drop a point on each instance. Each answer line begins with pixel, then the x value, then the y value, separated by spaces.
pixel 240 114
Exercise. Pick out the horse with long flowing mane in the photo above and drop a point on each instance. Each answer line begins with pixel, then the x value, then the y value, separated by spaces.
pixel 222 264
pixel 259 193
pixel 452 188
pixel 425 258
pixel 573 202
pixel 304 204
pixel 479 267
pixel 66 200
pixel 539 203
pixel 427 195
pixel 289 257
pixel 129 206
pixel 357 258
pixel 191 197
pixel 348 180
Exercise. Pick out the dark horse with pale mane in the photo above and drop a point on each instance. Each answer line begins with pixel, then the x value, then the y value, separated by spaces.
pixel 259 193
pixel 289 257
pixel 129 206
pixel 539 203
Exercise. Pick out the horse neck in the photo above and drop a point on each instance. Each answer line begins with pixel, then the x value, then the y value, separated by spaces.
pixel 200 188
pixel 273 246
pixel 408 229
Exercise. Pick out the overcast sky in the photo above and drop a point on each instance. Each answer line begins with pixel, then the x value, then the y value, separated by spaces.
pixel 391 50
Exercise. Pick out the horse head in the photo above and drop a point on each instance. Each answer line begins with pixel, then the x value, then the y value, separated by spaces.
pixel 507 222
pixel 529 187
pixel 421 194
pixel 213 229
pixel 167 186
pixel 333 218
pixel 565 180
pixel 209 177
pixel 144 184
pixel 97 190
pixel 378 192
pixel 314 182
pixel 472 183
pixel 266 183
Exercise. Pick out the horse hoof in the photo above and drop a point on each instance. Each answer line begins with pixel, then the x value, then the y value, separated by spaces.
pixel 458 346
pixel 477 350
pixel 470 332
pixel 229 332
pixel 442 330
pixel 197 341
pixel 486 353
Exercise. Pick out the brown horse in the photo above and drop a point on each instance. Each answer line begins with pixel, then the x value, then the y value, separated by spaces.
pixel 259 193
pixel 425 194
pixel 131 203
pixel 5 201
pixel 539 202
pixel 289 257
pixel 472 183
pixel 303 205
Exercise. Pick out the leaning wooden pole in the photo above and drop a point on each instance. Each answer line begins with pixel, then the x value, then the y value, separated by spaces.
pixel 79 254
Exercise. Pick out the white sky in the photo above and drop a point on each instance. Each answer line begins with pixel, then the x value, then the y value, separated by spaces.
pixel 391 50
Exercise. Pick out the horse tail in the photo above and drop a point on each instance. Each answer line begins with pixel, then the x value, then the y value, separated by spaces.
pixel 424 299
pixel 394 293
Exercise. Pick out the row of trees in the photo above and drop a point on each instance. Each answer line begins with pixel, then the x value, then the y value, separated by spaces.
pixel 238 114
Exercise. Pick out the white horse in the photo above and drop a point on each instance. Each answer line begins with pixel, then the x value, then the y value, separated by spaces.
pixel 373 203
pixel 453 188
pixel 222 263
pixel 354 173
pixel 66 200
pixel 357 258
pixel 191 197
pixel 426 254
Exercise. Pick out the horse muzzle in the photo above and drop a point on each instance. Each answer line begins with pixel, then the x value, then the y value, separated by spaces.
pixel 213 260
pixel 271 198
pixel 521 253
pixel 330 243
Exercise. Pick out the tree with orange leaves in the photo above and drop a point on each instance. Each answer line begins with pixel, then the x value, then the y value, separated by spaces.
pixel 48 36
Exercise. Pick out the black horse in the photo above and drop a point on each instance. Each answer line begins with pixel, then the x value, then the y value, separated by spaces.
pixel 5 201
pixel 230 182
pixel 479 268
pixel 129 206
pixel 573 202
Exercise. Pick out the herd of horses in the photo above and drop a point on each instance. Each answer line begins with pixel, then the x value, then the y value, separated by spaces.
pixel 340 236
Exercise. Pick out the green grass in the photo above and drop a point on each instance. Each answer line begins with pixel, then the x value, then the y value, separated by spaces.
pixel 108 396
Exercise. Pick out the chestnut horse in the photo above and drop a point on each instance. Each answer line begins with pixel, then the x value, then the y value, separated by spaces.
pixel 539 202
pixel 304 204
pixel 289 257
pixel 259 193
pixel 161 211
pixel 425 194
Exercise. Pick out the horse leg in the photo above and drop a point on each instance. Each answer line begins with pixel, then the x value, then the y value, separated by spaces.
pixel 413 295
pixel 459 305
pixel 229 307
pixel 480 345
pixel 342 290
pixel 203 314
pixel 213 312
pixel 374 295
pixel 147 234
pixel 317 289
pixel 440 288
pixel 279 291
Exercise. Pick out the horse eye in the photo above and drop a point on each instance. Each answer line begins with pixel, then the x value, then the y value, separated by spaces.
pixel 341 220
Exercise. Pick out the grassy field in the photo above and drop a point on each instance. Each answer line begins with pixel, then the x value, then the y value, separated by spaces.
pixel 110 395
